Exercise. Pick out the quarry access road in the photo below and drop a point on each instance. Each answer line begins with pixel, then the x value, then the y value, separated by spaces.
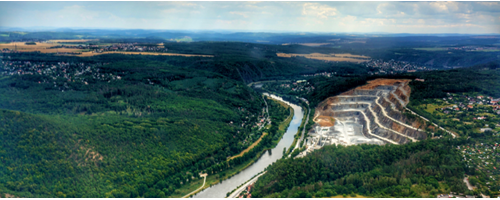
pixel 449 132
pixel 403 103
pixel 368 125
pixel 385 114
pixel 382 126
pixel 397 121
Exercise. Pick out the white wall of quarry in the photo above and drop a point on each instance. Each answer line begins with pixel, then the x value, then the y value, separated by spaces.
pixel 363 99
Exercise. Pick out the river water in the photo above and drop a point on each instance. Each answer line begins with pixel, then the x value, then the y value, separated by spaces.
pixel 221 189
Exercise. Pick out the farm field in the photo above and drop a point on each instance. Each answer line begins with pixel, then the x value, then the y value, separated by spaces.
pixel 346 57
pixel 86 54
pixel 23 46
pixel 82 40
pixel 310 44
pixel 41 47
pixel 59 50
pixel 432 49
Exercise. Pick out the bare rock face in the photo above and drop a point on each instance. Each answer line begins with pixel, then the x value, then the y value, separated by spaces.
pixel 375 107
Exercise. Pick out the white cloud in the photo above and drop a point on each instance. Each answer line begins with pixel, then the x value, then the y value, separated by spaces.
pixel 348 18
pixel 439 6
pixel 489 3
pixel 243 14
pixel 284 16
pixel 318 10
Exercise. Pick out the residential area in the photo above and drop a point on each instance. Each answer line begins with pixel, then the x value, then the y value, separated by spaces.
pixel 391 66
pixel 465 112
pixel 484 160
pixel 58 74
pixel 291 88
pixel 133 47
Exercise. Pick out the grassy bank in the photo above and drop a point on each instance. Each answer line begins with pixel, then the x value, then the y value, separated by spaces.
pixel 299 131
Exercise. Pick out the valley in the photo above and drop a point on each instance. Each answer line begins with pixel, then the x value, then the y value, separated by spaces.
pixel 150 117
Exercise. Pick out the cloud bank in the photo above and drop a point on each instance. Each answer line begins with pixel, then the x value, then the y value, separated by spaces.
pixel 392 17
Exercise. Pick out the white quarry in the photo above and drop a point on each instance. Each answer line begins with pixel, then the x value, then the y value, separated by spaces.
pixel 369 114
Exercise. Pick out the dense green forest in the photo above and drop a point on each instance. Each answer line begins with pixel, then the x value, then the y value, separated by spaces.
pixel 421 169
pixel 239 61
pixel 127 127
pixel 481 78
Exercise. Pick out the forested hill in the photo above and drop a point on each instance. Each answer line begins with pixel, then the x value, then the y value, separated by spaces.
pixel 134 126
pixel 239 61
pixel 412 170
pixel 482 78
pixel 117 126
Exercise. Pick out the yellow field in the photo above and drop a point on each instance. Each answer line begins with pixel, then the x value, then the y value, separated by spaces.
pixel 310 44
pixel 23 46
pixel 52 50
pixel 42 47
pixel 328 57
pixel 59 41
pixel 86 54
pixel 45 48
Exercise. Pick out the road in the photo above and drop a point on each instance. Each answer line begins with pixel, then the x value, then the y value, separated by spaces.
pixel 204 180
pixel 241 188
pixel 397 121
pixel 402 103
pixel 449 132
pixel 368 126
pixel 466 181
pixel 267 112
pixel 385 114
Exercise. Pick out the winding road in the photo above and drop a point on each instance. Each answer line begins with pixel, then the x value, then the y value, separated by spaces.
pixel 204 180
pixel 368 125
pixel 449 132
pixel 376 117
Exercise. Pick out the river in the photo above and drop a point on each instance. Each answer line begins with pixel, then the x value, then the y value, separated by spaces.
pixel 221 189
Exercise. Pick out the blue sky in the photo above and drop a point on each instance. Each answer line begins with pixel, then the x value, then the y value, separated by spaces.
pixel 393 17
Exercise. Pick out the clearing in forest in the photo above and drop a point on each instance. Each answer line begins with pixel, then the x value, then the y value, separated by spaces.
pixel 343 57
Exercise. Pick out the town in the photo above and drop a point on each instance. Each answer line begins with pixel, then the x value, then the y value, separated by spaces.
pixel 483 159
pixel 393 67
pixel 59 74
pixel 465 112
pixel 296 88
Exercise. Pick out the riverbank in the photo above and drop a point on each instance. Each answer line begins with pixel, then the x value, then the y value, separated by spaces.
pixel 268 156
pixel 298 134
pixel 236 169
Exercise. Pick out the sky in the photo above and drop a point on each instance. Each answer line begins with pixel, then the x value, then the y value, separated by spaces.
pixel 283 16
